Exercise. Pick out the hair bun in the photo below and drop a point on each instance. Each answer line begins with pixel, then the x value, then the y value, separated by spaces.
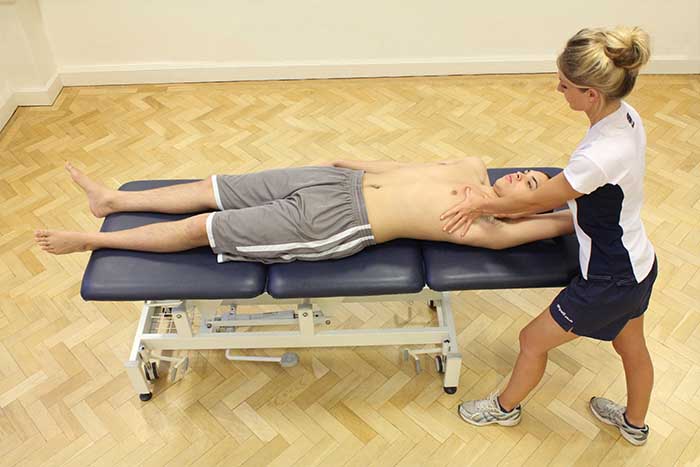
pixel 605 59
pixel 628 48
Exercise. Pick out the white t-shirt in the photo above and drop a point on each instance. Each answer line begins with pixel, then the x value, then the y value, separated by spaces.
pixel 608 168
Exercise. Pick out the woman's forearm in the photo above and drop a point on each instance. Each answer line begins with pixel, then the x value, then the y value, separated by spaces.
pixel 511 205
pixel 552 194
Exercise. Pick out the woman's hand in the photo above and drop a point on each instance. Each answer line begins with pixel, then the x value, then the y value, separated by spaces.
pixel 463 213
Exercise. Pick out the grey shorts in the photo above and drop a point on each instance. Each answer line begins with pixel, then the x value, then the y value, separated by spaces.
pixel 282 215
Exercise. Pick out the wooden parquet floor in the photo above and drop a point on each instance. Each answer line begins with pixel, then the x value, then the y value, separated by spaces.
pixel 64 396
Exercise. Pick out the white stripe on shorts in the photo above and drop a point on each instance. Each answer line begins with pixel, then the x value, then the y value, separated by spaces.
pixel 217 196
pixel 335 249
pixel 210 232
pixel 313 244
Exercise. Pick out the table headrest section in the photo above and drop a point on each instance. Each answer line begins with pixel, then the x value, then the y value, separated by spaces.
pixel 546 263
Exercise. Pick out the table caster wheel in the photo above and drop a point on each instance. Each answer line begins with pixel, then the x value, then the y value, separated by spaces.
pixel 146 397
pixel 451 390
pixel 151 371
pixel 439 364
pixel 289 359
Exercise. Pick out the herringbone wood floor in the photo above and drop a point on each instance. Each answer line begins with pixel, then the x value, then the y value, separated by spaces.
pixel 64 397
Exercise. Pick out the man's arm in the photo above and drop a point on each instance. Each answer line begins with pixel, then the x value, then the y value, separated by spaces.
pixel 500 234
pixel 373 167
pixel 383 166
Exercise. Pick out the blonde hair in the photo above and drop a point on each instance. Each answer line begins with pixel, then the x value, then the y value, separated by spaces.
pixel 605 59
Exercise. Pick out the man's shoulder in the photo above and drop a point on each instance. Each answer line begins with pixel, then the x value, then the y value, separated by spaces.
pixel 473 161
pixel 469 160
pixel 472 164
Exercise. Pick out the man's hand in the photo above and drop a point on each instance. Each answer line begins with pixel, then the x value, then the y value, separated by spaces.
pixel 323 164
pixel 463 213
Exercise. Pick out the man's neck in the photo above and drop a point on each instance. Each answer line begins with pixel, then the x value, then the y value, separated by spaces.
pixel 489 191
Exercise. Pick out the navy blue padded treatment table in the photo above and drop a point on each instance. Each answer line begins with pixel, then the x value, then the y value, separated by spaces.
pixel 183 292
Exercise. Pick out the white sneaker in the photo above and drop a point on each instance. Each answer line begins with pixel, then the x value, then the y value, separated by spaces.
pixel 612 413
pixel 487 411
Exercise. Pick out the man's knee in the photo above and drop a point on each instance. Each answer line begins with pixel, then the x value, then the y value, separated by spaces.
pixel 205 193
pixel 195 230
pixel 207 183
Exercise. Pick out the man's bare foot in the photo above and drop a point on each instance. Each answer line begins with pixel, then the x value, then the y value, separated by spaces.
pixel 99 197
pixel 60 242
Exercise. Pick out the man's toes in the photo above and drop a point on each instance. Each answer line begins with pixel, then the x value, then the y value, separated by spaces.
pixel 74 173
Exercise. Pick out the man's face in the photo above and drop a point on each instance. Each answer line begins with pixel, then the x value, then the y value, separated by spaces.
pixel 518 183
pixel 577 97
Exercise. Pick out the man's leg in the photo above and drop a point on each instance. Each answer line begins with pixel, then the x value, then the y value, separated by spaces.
pixel 163 237
pixel 639 371
pixel 537 338
pixel 175 199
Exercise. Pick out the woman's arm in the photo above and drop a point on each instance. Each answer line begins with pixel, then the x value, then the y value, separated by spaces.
pixel 550 195
pixel 498 235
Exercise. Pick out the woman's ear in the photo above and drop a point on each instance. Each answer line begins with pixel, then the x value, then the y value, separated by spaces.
pixel 593 95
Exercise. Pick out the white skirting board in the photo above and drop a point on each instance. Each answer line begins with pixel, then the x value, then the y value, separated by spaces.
pixel 215 72
pixel 7 108
pixel 45 95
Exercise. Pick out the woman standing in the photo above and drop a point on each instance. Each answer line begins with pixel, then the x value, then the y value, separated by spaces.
pixel 603 186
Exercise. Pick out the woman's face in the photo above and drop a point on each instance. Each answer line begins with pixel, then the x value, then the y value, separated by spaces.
pixel 578 98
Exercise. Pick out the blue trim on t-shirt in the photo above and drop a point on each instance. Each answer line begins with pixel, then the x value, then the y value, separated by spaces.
pixel 598 215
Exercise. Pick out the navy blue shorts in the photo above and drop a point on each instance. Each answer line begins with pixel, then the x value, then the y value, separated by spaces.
pixel 601 306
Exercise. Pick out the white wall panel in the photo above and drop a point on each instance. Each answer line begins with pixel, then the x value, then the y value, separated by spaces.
pixel 315 37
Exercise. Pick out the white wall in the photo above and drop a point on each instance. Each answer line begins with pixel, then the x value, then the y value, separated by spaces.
pixel 105 41
pixel 8 59
pixel 36 53
pixel 28 73
pixel 47 43
pixel 7 100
